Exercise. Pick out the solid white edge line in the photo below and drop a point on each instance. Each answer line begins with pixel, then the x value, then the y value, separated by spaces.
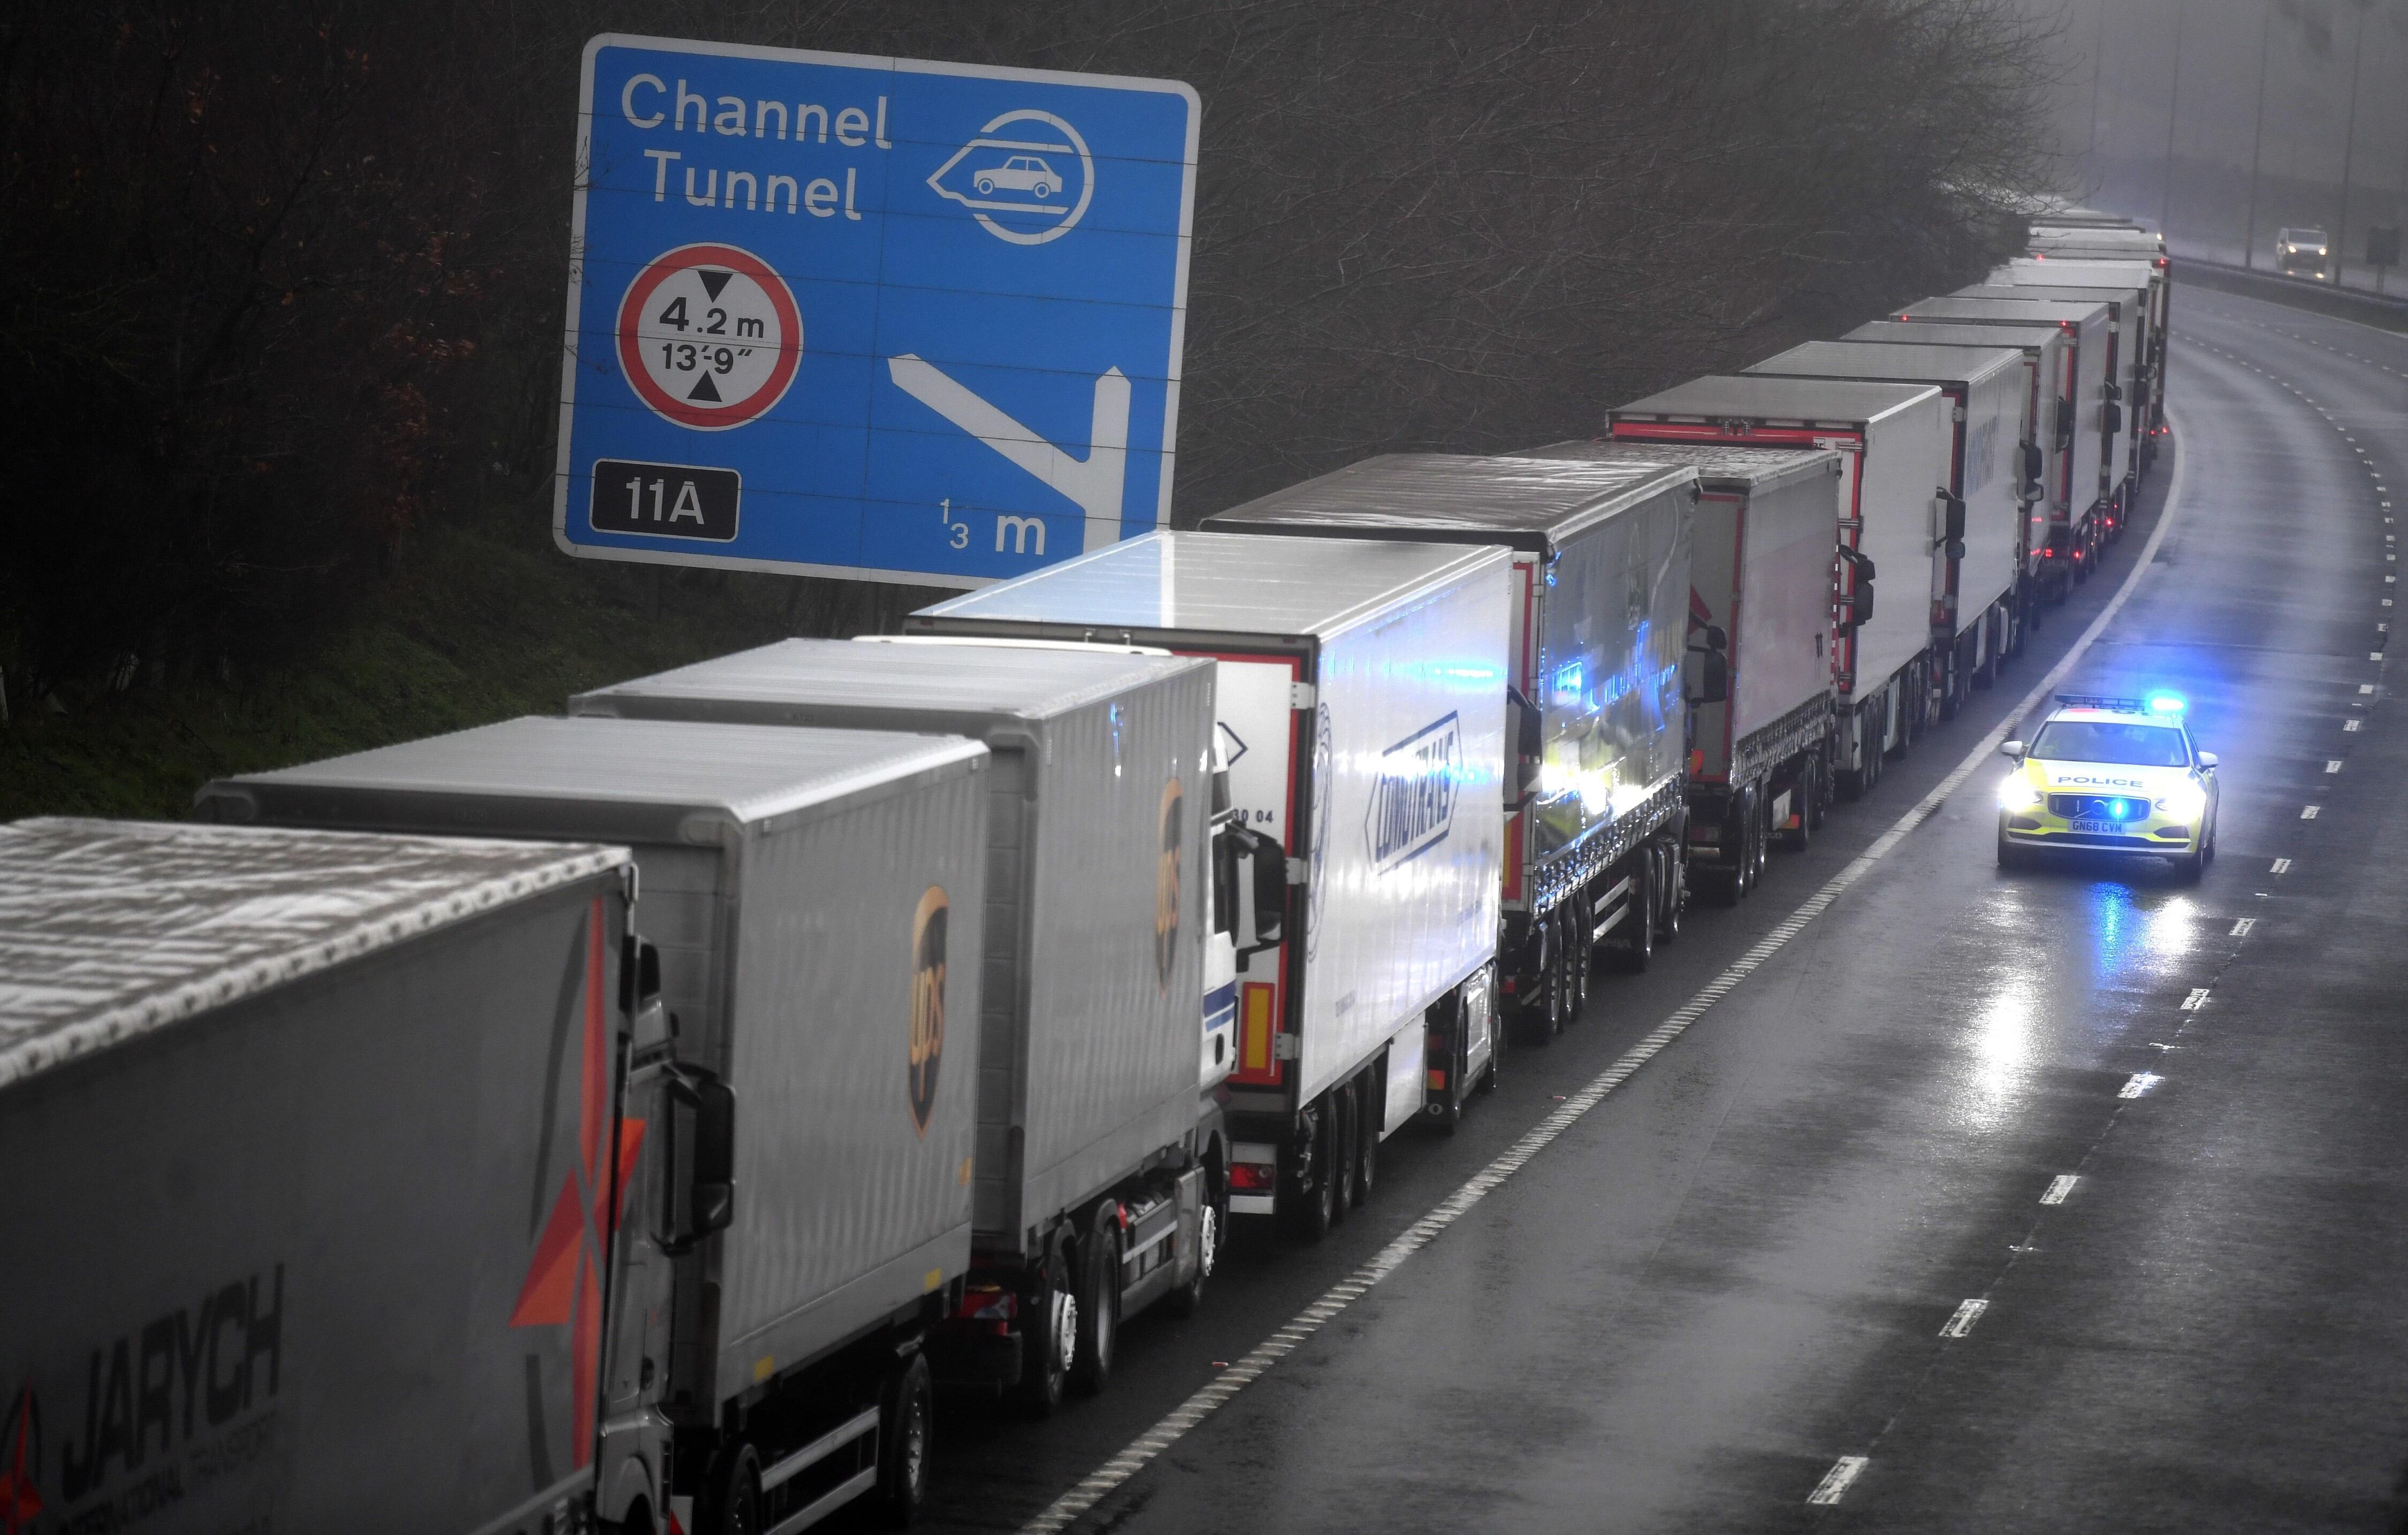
pixel 1176 1424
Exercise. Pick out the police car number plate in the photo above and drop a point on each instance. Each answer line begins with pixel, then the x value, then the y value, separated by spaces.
pixel 2110 828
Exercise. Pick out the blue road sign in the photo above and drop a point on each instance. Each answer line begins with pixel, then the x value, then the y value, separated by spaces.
pixel 867 317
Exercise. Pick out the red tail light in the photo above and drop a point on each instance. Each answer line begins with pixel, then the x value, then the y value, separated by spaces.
pixel 1253 1177
pixel 988 1303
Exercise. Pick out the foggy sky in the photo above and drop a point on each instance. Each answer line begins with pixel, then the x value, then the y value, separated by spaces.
pixel 2121 54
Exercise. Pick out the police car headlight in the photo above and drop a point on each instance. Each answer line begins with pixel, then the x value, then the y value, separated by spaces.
pixel 2018 794
pixel 2184 804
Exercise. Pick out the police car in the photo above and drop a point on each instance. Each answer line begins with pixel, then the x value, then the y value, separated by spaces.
pixel 2111 775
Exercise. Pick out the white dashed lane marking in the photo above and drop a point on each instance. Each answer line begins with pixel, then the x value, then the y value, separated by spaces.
pixel 1835 1481
pixel 1968 1312
pixel 2059 1186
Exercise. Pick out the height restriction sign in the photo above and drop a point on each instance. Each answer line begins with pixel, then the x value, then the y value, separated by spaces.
pixel 710 337
pixel 870 317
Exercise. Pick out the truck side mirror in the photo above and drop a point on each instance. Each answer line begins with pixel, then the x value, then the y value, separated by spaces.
pixel 1529 741
pixel 1860 603
pixel 2064 422
pixel 1265 888
pixel 2033 467
pixel 1714 677
pixel 639 975
pixel 1952 521
pixel 698 1159
pixel 2111 419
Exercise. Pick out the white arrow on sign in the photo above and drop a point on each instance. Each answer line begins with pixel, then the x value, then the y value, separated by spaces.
pixel 1092 483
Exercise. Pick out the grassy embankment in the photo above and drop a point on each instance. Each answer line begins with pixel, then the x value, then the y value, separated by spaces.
pixel 468 629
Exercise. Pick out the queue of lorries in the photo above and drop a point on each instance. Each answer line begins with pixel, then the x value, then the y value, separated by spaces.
pixel 632 1119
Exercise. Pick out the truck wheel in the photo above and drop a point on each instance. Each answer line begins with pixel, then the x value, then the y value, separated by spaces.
pixel 1345 1137
pixel 1751 867
pixel 1049 1339
pixel 1366 1149
pixel 907 1422
pixel 1577 952
pixel 1672 893
pixel 1551 999
pixel 1304 1193
pixel 1639 923
pixel 1581 919
pixel 1100 1301
pixel 1210 1222
pixel 731 1497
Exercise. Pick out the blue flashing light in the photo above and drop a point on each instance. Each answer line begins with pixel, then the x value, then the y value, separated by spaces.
pixel 2166 703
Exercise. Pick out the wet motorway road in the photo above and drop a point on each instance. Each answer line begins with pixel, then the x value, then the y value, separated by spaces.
pixel 1805 1246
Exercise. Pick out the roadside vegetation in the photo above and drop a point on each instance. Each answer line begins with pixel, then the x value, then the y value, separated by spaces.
pixel 280 345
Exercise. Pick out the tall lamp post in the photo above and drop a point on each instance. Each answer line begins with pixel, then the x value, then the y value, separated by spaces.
pixel 2258 140
pixel 2349 143
pixel 2090 145
pixel 2173 104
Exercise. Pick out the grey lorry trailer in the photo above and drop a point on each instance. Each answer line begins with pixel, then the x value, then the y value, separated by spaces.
pixel 1894 445
pixel 2130 312
pixel 2048 417
pixel 1597 624
pixel 2071 449
pixel 313 1153
pixel 799 1140
pixel 1102 1161
pixel 1988 549
pixel 2093 414
pixel 2154 276
pixel 1380 782
pixel 1759 764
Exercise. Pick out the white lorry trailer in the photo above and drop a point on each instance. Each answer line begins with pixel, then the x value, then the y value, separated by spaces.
pixel 2154 276
pixel 1894 444
pixel 1597 640
pixel 1759 757
pixel 2127 314
pixel 313 1153
pixel 1101 1160
pixel 2092 415
pixel 798 1136
pixel 1977 621
pixel 2043 468
pixel 1381 783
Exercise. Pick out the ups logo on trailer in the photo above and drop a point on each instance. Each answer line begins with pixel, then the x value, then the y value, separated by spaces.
pixel 1166 883
pixel 928 926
